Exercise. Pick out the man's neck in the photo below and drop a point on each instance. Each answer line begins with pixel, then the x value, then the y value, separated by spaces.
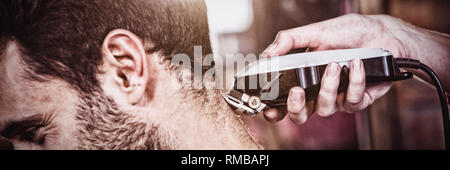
pixel 198 119
pixel 231 127
pixel 207 122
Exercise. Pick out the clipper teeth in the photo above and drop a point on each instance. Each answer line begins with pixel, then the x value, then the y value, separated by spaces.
pixel 239 105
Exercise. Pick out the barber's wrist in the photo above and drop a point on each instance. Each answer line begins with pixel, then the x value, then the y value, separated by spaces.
pixel 409 37
pixel 403 36
pixel 406 39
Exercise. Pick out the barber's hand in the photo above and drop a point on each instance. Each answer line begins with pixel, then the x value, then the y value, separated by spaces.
pixel 349 31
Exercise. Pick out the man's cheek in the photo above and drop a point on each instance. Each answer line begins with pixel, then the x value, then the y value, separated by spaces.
pixel 23 145
pixel 62 134
pixel 5 144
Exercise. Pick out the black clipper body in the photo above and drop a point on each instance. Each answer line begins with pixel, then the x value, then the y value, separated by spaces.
pixel 249 100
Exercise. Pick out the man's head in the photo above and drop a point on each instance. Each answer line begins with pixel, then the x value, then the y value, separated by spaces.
pixel 96 74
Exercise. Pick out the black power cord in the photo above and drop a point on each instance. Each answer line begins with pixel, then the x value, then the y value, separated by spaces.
pixel 416 64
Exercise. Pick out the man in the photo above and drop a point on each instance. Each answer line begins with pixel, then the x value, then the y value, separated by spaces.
pixel 96 74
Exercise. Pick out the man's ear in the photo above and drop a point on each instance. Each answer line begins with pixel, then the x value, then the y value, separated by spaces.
pixel 125 56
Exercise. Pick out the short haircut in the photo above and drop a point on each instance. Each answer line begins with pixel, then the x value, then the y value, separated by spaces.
pixel 63 38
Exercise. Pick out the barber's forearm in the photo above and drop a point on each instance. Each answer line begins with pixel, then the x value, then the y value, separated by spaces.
pixel 430 47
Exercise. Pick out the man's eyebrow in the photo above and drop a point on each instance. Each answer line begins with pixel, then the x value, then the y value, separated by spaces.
pixel 16 128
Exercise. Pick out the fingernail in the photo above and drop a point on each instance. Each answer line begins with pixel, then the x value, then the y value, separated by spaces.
pixel 333 69
pixel 294 95
pixel 270 49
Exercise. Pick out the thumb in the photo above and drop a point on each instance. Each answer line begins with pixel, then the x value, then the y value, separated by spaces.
pixel 301 37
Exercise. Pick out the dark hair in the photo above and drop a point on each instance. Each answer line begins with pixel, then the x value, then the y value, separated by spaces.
pixel 62 38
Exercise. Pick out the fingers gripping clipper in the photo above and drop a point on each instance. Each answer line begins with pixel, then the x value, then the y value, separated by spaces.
pixel 305 70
